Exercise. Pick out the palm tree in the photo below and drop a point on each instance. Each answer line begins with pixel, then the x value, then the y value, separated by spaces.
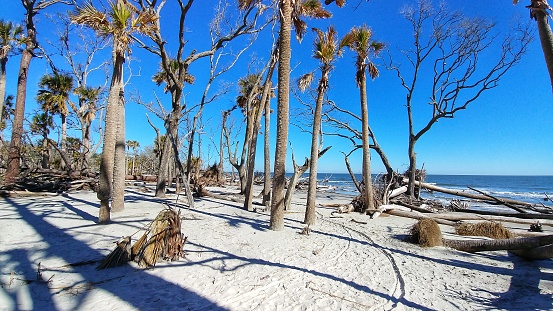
pixel 539 11
pixel 10 36
pixel 326 50
pixel 32 8
pixel 121 23
pixel 41 124
pixel 54 97
pixel 250 103
pixel 359 41
pixel 290 16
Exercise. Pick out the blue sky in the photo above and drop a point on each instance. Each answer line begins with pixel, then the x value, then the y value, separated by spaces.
pixel 507 131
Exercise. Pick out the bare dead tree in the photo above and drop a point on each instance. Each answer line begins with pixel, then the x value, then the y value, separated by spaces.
pixel 344 121
pixel 448 55
pixel 175 71
pixel 215 71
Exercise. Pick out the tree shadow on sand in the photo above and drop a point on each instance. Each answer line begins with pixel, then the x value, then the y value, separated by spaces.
pixel 135 287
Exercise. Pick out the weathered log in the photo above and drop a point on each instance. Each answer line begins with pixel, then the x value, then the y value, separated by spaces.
pixel 463 216
pixel 516 215
pixel 538 253
pixel 410 206
pixel 469 195
pixel 401 212
pixel 500 201
pixel 396 192
pixel 480 245
pixel 226 197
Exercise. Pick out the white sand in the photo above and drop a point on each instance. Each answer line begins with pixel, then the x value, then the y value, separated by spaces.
pixel 234 262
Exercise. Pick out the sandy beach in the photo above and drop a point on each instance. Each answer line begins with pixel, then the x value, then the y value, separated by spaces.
pixel 50 247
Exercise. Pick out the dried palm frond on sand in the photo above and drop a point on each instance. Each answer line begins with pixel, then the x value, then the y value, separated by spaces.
pixel 162 240
pixel 118 257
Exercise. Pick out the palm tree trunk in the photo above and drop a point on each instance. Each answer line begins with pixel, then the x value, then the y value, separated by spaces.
pixel 279 179
pixel 164 161
pixel 250 165
pixel 252 150
pixel 66 166
pixel 267 155
pixel 110 135
pixel 119 168
pixel 310 214
pixel 367 177
pixel 546 39
pixel 86 147
pixel 45 152
pixel 2 85
pixel 14 157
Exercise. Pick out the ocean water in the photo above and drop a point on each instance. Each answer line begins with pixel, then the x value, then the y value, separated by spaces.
pixel 530 189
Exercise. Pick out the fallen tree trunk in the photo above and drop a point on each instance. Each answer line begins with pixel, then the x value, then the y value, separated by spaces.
pixel 481 245
pixel 400 211
pixel 500 201
pixel 463 216
pixel 469 195
pixel 515 215
pixel 202 192
pixel 538 253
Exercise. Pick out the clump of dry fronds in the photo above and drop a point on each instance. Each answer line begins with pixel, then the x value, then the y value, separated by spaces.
pixel 162 241
pixel 118 257
pixel 488 229
pixel 426 233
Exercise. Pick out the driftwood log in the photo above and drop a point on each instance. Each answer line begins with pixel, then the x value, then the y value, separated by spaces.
pixel 481 245
pixel 481 197
pixel 535 247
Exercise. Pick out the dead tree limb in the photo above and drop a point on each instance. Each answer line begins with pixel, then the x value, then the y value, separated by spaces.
pixel 500 201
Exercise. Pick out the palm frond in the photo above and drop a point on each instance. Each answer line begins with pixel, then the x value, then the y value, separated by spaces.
pixel 373 70
pixel 305 81
pixel 89 16
pixel 120 14
pixel 300 27
pixel 314 9
pixel 339 3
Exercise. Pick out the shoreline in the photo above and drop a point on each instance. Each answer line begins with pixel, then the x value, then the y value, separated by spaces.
pixel 233 262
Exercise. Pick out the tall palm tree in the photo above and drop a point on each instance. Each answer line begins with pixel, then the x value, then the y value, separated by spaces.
pixel 10 36
pixel 325 49
pixel 291 12
pixel 250 103
pixel 359 40
pixel 120 23
pixel 54 97
pixel 32 8
pixel 539 11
